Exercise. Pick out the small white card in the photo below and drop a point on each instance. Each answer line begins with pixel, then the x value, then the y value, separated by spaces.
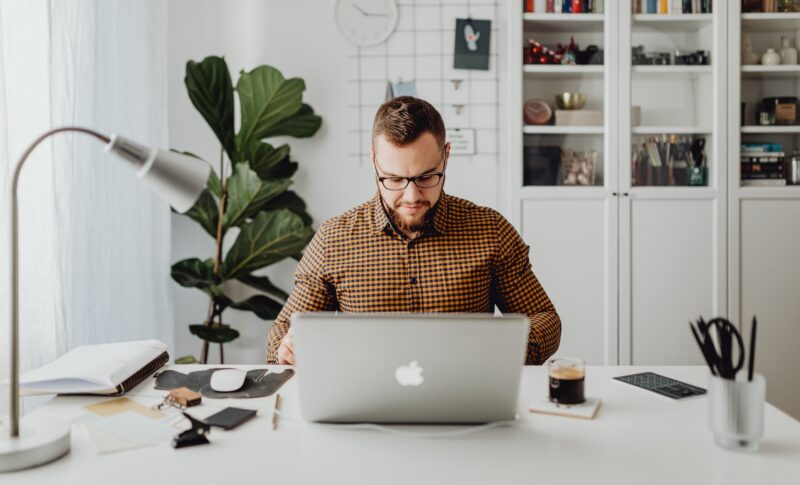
pixel 462 141
pixel 585 410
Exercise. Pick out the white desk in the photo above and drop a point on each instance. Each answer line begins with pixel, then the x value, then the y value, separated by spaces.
pixel 637 438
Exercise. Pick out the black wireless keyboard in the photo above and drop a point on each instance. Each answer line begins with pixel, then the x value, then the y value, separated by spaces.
pixel 662 385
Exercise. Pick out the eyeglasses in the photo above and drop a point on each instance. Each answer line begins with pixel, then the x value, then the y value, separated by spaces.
pixel 424 181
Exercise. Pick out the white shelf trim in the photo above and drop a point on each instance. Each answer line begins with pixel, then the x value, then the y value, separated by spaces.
pixel 563 69
pixel 677 130
pixel 672 69
pixel 563 17
pixel 771 129
pixel 684 17
pixel 562 130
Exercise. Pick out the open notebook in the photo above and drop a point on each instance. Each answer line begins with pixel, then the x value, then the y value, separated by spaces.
pixel 111 369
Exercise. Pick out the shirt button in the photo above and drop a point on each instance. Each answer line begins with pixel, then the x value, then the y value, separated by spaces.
pixel 413 280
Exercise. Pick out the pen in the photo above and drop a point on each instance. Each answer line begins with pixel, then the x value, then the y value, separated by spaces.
pixel 703 350
pixel 276 410
pixel 752 355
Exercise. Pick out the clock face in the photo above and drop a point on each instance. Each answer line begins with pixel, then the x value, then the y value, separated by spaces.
pixel 366 22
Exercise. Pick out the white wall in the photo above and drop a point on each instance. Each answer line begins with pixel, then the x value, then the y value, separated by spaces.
pixel 300 38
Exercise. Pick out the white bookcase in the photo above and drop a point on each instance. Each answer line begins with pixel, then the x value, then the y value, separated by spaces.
pixel 627 265
pixel 764 222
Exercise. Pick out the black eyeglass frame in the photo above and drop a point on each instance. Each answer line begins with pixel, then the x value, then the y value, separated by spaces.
pixel 416 177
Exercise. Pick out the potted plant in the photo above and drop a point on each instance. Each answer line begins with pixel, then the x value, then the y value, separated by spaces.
pixel 250 201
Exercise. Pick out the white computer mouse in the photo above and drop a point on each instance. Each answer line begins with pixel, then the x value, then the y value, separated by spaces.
pixel 227 380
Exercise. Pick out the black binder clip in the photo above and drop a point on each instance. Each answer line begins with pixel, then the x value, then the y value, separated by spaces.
pixel 194 436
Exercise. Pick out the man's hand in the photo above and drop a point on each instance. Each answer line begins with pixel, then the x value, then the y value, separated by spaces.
pixel 286 349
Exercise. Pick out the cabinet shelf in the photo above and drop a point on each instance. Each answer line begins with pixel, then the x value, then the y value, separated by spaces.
pixel 561 70
pixel 771 129
pixel 771 72
pixel 671 130
pixel 672 69
pixel 562 130
pixel 770 22
pixel 559 22
pixel 779 192
pixel 673 22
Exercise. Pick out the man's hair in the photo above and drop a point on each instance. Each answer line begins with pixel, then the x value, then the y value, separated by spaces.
pixel 404 119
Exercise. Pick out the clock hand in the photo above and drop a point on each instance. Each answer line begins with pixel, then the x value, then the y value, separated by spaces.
pixel 368 14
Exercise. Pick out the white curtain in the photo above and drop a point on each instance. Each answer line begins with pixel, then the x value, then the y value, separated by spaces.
pixel 94 241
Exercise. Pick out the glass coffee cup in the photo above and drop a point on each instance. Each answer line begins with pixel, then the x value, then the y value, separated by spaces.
pixel 566 377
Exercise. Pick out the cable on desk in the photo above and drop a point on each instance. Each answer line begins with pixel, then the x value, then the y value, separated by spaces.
pixel 408 434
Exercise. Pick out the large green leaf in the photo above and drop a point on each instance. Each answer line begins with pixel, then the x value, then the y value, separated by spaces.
pixel 219 334
pixel 264 284
pixel 264 307
pixel 267 161
pixel 302 124
pixel 267 239
pixel 205 212
pixel 269 190
pixel 242 187
pixel 211 91
pixel 194 273
pixel 293 202
pixel 266 98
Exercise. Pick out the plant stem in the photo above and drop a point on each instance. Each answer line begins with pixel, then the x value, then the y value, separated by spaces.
pixel 218 256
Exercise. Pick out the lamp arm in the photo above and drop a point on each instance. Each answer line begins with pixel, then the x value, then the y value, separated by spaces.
pixel 14 388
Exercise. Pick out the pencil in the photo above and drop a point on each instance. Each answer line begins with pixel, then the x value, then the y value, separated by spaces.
pixel 276 410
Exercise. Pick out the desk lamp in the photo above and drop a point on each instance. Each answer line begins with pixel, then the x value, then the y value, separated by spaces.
pixel 178 179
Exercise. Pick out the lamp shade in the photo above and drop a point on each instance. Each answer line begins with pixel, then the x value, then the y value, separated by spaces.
pixel 178 179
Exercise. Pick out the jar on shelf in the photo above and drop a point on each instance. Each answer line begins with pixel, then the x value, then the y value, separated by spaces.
pixel 786 110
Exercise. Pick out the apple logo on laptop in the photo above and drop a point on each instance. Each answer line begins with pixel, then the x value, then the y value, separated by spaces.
pixel 409 375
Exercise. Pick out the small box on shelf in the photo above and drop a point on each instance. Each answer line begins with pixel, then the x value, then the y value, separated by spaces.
pixel 579 117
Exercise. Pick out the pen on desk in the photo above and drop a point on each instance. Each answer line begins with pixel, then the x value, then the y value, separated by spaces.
pixel 703 349
pixel 276 410
pixel 752 355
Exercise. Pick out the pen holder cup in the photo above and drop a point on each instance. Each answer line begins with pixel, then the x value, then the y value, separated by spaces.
pixel 736 412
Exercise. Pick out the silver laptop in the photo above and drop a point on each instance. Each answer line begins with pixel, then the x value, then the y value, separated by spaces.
pixel 409 368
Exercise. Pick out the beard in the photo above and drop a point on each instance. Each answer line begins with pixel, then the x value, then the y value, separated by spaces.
pixel 409 224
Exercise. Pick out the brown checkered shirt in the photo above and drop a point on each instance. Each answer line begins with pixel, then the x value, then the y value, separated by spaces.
pixel 468 260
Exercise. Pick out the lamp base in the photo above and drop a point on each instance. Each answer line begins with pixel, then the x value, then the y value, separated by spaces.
pixel 40 441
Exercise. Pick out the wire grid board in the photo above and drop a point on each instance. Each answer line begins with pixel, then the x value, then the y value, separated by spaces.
pixel 421 50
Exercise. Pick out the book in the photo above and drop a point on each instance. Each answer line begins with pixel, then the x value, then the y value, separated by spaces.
pixel 764 183
pixel 106 369
pixel 586 410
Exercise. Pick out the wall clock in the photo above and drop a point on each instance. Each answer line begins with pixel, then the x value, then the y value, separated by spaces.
pixel 366 22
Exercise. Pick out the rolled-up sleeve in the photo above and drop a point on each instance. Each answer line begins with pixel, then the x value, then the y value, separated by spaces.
pixel 517 290
pixel 312 292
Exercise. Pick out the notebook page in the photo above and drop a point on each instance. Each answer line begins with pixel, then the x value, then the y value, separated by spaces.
pixel 93 368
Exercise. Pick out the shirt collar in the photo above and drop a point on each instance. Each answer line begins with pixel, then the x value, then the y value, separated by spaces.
pixel 381 220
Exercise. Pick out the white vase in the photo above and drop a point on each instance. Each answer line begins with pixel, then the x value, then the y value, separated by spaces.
pixel 788 53
pixel 771 57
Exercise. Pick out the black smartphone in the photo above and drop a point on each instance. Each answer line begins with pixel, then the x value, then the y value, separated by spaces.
pixel 230 418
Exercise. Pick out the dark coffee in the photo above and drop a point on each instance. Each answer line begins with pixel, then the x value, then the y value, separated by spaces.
pixel 566 385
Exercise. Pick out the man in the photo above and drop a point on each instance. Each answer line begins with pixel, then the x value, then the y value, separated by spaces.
pixel 413 248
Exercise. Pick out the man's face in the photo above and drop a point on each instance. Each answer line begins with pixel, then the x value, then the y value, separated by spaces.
pixel 409 208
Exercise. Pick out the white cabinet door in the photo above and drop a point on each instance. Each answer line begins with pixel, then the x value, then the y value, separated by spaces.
pixel 769 285
pixel 573 253
pixel 670 273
